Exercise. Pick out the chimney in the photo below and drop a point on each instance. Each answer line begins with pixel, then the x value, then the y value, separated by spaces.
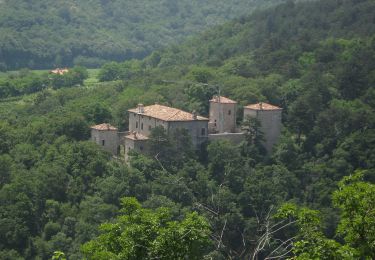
pixel 141 108
pixel 261 106
pixel 195 115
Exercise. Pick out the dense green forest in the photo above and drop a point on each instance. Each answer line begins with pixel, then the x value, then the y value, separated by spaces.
pixel 43 34
pixel 312 198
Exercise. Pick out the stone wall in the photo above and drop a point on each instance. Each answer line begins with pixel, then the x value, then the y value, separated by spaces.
pixel 270 125
pixel 107 139
pixel 198 130
pixel 140 146
pixel 228 114
pixel 143 124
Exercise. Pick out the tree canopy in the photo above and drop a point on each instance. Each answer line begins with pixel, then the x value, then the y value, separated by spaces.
pixel 313 59
pixel 147 234
pixel 41 34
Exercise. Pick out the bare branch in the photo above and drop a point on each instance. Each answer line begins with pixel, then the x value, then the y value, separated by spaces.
pixel 156 157
pixel 207 208
pixel 222 233
pixel 277 248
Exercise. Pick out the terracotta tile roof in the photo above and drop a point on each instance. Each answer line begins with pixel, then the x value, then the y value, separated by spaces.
pixel 167 113
pixel 223 100
pixel 59 71
pixel 104 127
pixel 263 106
pixel 136 136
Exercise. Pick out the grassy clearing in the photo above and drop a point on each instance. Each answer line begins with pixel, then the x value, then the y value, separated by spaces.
pixel 93 77
pixel 91 80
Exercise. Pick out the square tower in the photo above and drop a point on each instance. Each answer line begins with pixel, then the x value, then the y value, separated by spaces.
pixel 222 115
pixel 269 117
pixel 106 136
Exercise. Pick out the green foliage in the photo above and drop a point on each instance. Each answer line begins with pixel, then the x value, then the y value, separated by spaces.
pixel 254 138
pixel 27 82
pixel 58 255
pixel 109 71
pixel 92 33
pixel 140 233
pixel 74 77
pixel 315 60
pixel 356 199
pixel 311 242
pixel 171 150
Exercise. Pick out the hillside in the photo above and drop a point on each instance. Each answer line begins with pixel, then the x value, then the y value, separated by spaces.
pixel 289 28
pixel 316 60
pixel 43 34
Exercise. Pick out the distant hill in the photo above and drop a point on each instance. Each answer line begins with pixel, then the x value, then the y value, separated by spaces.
pixel 288 29
pixel 41 33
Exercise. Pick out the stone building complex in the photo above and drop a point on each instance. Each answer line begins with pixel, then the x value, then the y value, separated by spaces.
pixel 221 124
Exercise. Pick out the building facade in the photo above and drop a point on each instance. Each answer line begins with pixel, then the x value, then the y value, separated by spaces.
pixel 144 118
pixel 135 142
pixel 269 117
pixel 107 137
pixel 223 114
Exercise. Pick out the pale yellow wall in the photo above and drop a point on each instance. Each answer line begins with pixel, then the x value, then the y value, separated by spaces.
pixel 110 137
pixel 194 128
pixel 146 121
pixel 270 124
pixel 229 119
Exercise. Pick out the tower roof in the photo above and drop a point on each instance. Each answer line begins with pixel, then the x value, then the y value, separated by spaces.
pixel 263 106
pixel 104 127
pixel 223 100
pixel 166 113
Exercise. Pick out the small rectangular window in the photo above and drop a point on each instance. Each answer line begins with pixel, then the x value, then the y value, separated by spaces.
pixel 229 112
pixel 142 126
pixel 103 142
pixel 136 124
pixel 203 131
pixel 149 127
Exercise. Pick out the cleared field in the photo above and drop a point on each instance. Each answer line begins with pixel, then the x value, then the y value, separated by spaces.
pixel 93 77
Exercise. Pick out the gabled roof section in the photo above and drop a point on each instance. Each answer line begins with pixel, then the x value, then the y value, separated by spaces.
pixel 263 106
pixel 104 127
pixel 223 100
pixel 166 113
